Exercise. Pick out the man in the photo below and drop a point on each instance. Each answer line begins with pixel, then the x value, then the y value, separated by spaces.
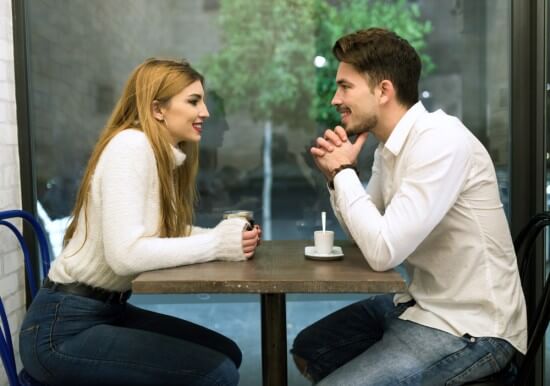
pixel 432 202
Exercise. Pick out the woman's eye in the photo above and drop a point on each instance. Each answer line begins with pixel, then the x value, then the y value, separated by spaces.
pixel 194 102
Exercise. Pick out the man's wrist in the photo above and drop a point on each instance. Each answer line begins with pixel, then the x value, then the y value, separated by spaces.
pixel 337 170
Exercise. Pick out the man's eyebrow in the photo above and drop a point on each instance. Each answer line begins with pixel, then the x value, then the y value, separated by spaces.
pixel 342 82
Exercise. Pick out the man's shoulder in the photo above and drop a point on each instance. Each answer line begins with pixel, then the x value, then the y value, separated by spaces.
pixel 438 120
pixel 441 127
pixel 440 132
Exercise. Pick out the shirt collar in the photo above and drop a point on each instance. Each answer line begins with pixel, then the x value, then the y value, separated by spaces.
pixel 401 131
pixel 179 156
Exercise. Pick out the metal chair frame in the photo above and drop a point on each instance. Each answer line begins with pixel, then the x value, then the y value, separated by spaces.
pixel 6 345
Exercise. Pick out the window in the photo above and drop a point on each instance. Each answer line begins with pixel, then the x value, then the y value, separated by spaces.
pixel 269 77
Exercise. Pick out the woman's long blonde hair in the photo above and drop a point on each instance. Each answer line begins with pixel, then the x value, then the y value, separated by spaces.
pixel 153 80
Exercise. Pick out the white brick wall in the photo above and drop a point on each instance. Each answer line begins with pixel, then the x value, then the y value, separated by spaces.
pixel 11 259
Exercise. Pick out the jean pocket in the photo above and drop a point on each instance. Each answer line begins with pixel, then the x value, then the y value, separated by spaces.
pixel 483 367
pixel 504 351
pixel 28 349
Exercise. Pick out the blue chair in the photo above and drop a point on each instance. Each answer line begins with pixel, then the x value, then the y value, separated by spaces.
pixel 42 241
pixel 6 345
pixel 538 317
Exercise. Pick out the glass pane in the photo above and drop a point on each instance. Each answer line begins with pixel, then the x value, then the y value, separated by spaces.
pixel 269 76
pixel 547 129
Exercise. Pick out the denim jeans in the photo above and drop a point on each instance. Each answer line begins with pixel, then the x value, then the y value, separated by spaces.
pixel 73 340
pixel 367 344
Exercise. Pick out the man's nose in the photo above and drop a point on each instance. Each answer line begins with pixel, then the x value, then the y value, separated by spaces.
pixel 336 100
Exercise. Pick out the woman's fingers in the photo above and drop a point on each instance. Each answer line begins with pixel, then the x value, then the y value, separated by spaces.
pixel 259 234
pixel 250 235
pixel 250 240
pixel 249 255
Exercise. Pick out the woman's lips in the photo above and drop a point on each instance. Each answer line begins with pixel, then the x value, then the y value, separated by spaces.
pixel 197 127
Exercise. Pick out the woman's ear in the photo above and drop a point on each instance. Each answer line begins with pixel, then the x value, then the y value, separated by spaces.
pixel 157 113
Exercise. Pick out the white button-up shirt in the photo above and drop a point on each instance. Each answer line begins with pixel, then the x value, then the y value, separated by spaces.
pixel 432 202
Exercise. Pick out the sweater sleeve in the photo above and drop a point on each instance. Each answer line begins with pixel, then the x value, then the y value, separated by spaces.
pixel 129 165
pixel 195 230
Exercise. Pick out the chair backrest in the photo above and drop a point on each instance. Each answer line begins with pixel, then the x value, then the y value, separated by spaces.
pixel 6 348
pixel 538 320
pixel 40 235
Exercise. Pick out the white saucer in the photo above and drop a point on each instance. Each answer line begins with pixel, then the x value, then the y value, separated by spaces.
pixel 335 254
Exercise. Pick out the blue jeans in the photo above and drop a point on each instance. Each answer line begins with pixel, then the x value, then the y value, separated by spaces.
pixel 67 339
pixel 367 344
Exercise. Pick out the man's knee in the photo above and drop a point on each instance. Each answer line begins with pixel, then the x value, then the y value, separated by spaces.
pixel 298 346
pixel 301 365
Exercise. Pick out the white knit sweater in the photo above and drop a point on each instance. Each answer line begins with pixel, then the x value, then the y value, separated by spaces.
pixel 123 216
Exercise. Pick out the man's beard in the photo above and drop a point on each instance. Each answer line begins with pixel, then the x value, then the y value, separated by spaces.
pixel 366 124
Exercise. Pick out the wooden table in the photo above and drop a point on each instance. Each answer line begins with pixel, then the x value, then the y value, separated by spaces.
pixel 278 268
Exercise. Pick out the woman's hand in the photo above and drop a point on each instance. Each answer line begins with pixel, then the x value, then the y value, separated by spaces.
pixel 251 239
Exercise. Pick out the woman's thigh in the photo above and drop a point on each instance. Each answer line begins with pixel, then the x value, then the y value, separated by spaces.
pixel 412 354
pixel 138 318
pixel 69 339
pixel 112 355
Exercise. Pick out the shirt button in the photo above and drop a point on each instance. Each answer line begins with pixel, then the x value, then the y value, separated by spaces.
pixel 472 339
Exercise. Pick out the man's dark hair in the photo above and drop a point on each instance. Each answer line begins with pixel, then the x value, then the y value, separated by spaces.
pixel 383 54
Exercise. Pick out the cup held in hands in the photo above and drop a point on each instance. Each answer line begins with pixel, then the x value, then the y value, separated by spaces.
pixel 248 215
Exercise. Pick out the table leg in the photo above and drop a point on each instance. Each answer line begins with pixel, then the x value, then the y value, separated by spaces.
pixel 274 368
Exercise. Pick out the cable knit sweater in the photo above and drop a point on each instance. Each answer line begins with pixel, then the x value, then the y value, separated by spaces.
pixel 123 216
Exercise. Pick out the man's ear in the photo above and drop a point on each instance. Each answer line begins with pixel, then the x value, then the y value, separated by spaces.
pixel 157 113
pixel 386 91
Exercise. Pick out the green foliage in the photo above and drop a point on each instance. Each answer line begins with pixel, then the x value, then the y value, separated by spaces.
pixel 265 67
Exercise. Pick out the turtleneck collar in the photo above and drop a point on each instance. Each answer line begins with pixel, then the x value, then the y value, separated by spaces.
pixel 179 156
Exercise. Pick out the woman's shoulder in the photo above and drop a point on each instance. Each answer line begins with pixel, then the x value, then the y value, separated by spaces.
pixel 130 141
pixel 130 145
pixel 130 138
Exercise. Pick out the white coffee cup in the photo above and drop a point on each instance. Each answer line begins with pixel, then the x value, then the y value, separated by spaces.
pixel 324 240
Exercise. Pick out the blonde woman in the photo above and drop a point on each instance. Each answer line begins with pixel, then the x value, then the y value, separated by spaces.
pixel 134 213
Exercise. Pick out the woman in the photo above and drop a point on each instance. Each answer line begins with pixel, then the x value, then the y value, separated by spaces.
pixel 134 213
